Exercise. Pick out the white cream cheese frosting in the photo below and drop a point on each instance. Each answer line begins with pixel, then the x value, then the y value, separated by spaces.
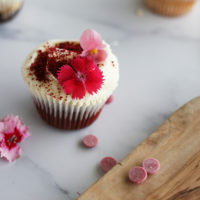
pixel 44 90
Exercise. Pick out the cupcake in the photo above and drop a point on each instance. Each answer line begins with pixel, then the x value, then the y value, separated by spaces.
pixel 170 7
pixel 8 8
pixel 70 81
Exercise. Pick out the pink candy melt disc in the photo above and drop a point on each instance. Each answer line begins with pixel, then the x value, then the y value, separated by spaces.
pixel 107 163
pixel 137 174
pixel 151 165
pixel 90 141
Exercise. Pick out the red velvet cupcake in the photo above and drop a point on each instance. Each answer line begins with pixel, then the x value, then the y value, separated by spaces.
pixel 70 81
pixel 8 8
pixel 171 8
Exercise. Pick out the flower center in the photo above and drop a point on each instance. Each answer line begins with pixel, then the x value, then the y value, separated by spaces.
pixel 94 51
pixel 81 76
pixel 11 139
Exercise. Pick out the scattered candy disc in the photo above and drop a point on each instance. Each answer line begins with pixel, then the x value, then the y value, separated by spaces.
pixel 107 163
pixel 90 141
pixel 110 99
pixel 151 165
pixel 137 174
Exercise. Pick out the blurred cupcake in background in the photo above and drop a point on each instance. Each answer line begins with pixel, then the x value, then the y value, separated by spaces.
pixel 8 8
pixel 171 7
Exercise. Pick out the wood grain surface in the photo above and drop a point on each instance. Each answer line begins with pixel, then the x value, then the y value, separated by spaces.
pixel 176 144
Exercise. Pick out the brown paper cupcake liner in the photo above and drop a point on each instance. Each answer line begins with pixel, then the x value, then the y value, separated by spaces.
pixel 9 8
pixel 70 117
pixel 171 7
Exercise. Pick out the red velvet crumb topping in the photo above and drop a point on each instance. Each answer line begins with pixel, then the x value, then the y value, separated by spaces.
pixel 39 66
pixel 70 46
pixel 53 63
pixel 56 59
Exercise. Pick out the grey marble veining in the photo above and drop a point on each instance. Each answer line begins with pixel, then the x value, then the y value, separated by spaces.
pixel 159 71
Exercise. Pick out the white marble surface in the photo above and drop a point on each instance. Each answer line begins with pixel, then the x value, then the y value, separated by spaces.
pixel 160 69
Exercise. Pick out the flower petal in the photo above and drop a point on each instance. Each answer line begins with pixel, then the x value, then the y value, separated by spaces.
pixel 94 80
pixel 79 64
pixel 11 122
pixel 83 64
pixel 10 155
pixel 1 127
pixel 99 57
pixel 75 88
pixel 65 73
pixel 25 132
pixel 90 39
pixel 84 53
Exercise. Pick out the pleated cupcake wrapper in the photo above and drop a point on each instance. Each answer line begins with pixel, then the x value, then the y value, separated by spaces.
pixel 9 7
pixel 171 7
pixel 65 115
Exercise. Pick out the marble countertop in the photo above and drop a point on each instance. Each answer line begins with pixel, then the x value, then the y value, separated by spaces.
pixel 159 71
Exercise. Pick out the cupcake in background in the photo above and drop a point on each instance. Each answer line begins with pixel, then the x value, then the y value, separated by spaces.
pixel 8 8
pixel 70 81
pixel 171 7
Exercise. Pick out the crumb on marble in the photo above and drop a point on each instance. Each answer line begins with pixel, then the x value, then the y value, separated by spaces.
pixel 139 12
pixel 79 193
pixel 115 43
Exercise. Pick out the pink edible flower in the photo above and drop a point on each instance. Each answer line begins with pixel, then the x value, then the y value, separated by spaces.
pixel 92 45
pixel 80 76
pixel 12 132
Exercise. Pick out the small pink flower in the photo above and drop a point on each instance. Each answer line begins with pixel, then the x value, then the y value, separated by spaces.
pixel 92 45
pixel 12 132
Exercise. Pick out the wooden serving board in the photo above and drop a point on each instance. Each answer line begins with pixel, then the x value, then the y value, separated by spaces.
pixel 176 144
